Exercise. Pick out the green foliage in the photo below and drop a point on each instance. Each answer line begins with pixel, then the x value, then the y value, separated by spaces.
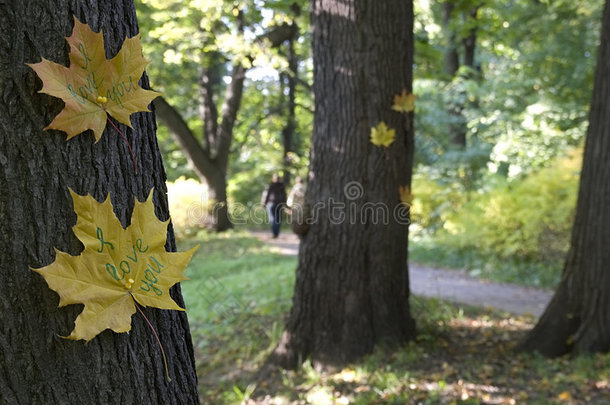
pixel 182 37
pixel 434 203
pixel 188 204
pixel 503 205
pixel 529 218
pixel 528 98
pixel 537 80
pixel 235 295
pixel 524 222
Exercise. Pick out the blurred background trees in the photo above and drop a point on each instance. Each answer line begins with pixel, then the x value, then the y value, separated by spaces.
pixel 502 90
pixel 229 72
pixel 578 316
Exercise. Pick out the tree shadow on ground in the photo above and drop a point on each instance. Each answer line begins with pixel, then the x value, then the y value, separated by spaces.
pixel 461 356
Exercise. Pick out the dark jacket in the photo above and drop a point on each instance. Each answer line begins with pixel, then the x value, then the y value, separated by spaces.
pixel 275 194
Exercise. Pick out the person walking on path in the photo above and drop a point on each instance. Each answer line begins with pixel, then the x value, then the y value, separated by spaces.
pixel 274 198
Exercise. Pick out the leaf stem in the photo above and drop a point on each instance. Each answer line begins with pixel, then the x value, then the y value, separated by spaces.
pixel 133 158
pixel 158 340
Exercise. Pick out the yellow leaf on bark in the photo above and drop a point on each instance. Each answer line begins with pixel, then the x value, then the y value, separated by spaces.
pixel 404 102
pixel 405 195
pixel 381 135
pixel 92 86
pixel 116 267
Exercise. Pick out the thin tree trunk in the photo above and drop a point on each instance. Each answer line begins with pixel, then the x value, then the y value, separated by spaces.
pixel 352 287
pixel 452 57
pixel 37 167
pixel 578 317
pixel 457 134
pixel 208 169
pixel 470 41
pixel 218 213
pixel 290 126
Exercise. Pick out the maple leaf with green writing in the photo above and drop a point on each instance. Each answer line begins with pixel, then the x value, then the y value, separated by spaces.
pixel 93 86
pixel 381 135
pixel 116 267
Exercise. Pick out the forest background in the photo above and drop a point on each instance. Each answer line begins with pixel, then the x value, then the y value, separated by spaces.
pixel 502 96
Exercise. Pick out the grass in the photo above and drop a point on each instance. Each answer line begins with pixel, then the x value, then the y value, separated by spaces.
pixel 239 295
pixel 235 298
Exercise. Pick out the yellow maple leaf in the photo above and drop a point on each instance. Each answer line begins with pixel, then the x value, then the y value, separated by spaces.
pixel 93 86
pixel 405 195
pixel 404 102
pixel 381 135
pixel 116 267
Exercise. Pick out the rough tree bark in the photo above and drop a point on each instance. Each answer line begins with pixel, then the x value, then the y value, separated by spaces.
pixel 578 317
pixel 352 287
pixel 37 167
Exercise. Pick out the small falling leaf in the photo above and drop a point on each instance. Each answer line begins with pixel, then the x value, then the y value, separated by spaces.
pixel 564 396
pixel 404 102
pixel 116 267
pixel 405 195
pixel 382 135
pixel 93 86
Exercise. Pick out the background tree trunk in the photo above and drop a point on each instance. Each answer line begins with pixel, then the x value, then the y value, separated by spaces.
pixel 450 15
pixel 352 287
pixel 288 82
pixel 452 57
pixel 211 171
pixel 37 366
pixel 578 317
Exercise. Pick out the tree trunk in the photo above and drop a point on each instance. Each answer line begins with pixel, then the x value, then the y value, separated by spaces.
pixel 470 41
pixel 218 217
pixel 352 287
pixel 452 57
pixel 208 170
pixel 457 135
pixel 578 317
pixel 291 85
pixel 37 167
pixel 457 124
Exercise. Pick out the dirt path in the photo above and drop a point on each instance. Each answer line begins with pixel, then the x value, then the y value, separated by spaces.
pixel 451 285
